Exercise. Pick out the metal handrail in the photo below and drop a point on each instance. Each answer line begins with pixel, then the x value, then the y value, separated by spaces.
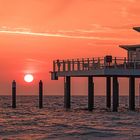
pixel 84 64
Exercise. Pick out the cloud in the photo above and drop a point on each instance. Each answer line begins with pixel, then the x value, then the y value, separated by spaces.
pixel 95 33
pixel 96 28
pixel 36 61
pixel 46 34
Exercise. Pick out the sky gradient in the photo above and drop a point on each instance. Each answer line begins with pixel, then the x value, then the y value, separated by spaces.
pixel 35 32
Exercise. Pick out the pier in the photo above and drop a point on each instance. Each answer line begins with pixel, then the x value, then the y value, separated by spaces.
pixel 109 67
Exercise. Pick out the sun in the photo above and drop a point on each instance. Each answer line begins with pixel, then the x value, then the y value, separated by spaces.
pixel 28 78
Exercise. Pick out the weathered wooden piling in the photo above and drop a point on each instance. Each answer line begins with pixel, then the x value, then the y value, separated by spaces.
pixel 14 94
pixel 132 93
pixel 108 92
pixel 40 94
pixel 67 92
pixel 90 93
pixel 115 94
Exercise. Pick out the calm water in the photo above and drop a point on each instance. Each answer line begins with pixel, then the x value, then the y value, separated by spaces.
pixel 53 122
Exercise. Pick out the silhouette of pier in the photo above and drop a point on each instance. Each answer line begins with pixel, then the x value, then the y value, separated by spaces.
pixel 108 67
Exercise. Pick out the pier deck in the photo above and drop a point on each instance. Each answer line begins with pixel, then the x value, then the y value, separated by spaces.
pixel 108 67
pixel 96 67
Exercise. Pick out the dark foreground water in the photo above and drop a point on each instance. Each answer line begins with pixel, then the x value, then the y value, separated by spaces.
pixel 53 122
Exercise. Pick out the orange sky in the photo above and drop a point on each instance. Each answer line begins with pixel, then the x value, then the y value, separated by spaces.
pixel 34 32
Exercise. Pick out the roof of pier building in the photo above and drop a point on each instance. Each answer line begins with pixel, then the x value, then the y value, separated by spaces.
pixel 137 28
pixel 130 47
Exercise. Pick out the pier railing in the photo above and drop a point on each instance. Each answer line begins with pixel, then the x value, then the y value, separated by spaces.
pixel 87 64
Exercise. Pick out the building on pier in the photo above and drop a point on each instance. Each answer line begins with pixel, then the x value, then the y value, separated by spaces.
pixel 133 51
pixel 108 67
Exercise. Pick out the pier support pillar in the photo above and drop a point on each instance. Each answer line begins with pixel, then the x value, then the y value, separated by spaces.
pixel 115 94
pixel 118 93
pixel 90 93
pixel 14 94
pixel 132 93
pixel 108 92
pixel 67 92
pixel 40 94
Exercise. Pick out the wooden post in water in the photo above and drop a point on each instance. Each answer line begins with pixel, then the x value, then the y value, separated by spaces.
pixel 108 92
pixel 115 94
pixel 40 94
pixel 14 94
pixel 132 93
pixel 139 94
pixel 90 93
pixel 67 92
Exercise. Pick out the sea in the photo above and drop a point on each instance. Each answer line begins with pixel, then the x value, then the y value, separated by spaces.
pixel 53 122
